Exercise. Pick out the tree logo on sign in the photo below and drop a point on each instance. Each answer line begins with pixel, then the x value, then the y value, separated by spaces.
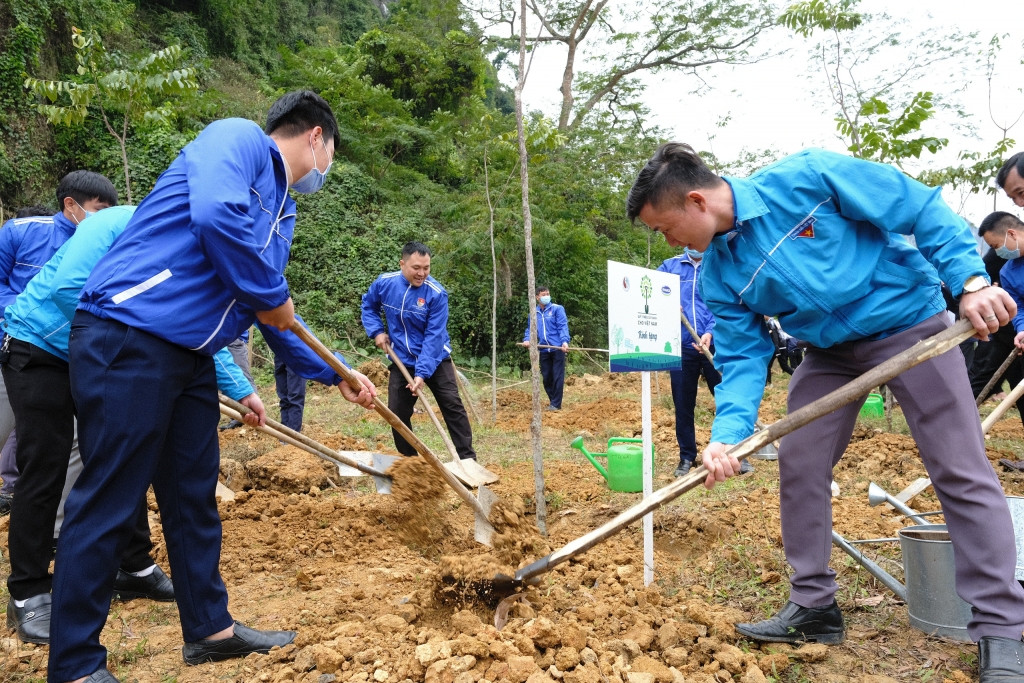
pixel 645 291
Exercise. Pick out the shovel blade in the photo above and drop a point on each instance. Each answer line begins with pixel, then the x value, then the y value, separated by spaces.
pixel 483 532
pixel 381 463
pixel 479 472
pixel 455 467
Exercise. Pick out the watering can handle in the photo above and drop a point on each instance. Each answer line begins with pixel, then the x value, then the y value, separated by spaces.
pixel 578 445
pixel 623 439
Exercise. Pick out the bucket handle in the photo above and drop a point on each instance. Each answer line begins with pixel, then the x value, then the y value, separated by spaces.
pixel 578 445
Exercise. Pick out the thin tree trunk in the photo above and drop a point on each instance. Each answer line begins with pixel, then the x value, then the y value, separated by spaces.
pixel 494 298
pixel 524 176
pixel 567 76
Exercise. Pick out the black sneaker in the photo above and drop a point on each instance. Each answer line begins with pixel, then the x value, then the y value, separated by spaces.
pixel 796 624
pixel 5 503
pixel 746 467
pixel 245 641
pixel 1000 660
pixel 156 586
pixel 234 424
pixel 31 621
pixel 683 469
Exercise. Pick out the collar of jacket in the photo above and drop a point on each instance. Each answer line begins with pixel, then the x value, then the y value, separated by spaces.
pixel 280 167
pixel 746 200
pixel 62 222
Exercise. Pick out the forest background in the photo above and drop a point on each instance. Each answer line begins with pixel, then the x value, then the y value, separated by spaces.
pixel 429 146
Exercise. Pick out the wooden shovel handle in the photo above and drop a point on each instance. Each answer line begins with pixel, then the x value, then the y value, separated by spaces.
pixel 319 349
pixel 425 401
pixel 901 362
pixel 997 376
pixel 696 337
pixel 297 439
pixel 1003 406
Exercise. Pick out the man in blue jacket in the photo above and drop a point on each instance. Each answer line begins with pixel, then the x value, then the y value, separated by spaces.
pixel 38 325
pixel 1011 178
pixel 414 306
pixel 26 243
pixel 693 363
pixel 554 331
pixel 818 240
pixel 200 261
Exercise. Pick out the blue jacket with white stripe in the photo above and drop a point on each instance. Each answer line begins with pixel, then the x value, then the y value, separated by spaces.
pixel 41 315
pixel 694 308
pixel 26 244
pixel 554 327
pixel 417 320
pixel 207 248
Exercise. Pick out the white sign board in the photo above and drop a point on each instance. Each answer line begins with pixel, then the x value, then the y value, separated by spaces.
pixel 643 319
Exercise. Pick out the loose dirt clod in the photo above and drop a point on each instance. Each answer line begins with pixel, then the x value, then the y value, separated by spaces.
pixel 418 496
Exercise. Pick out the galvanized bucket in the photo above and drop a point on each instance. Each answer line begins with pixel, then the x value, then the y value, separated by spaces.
pixel 1016 504
pixel 930 575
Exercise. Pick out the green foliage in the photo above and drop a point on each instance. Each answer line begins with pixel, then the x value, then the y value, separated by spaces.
pixel 804 17
pixel 881 137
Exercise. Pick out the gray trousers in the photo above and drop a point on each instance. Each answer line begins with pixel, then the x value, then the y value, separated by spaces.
pixel 936 399
pixel 240 354
pixel 8 466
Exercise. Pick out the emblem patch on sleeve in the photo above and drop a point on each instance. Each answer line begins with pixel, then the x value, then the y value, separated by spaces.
pixel 804 229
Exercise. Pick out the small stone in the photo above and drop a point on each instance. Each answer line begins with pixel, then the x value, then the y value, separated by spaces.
pixel 731 658
pixel 753 675
pixel 668 636
pixel 625 571
pixel 567 658
pixel 774 664
pixel 380 675
pixel 573 636
pixel 390 623
pixel 467 622
pixel 639 677
pixel 652 666
pixel 675 656
pixel 543 633
pixel 521 668
pixel 812 652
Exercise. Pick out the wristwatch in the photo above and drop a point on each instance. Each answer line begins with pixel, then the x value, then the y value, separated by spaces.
pixel 975 283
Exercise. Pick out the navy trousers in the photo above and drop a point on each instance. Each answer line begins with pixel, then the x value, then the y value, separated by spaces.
pixel 291 393
pixel 684 396
pixel 147 412
pixel 552 369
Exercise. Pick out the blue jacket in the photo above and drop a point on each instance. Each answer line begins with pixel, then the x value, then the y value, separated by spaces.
pixel 819 242
pixel 41 315
pixel 417 320
pixel 25 245
pixel 207 248
pixel 1011 278
pixel 694 308
pixel 554 327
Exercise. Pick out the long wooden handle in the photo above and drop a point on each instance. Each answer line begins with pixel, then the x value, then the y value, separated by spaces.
pixel 901 362
pixel 319 349
pixel 1010 399
pixel 298 439
pixel 426 403
pixel 998 376
pixel 571 348
pixel 696 337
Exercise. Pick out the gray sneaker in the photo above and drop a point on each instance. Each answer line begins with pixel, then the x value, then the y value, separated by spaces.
pixel 683 469
pixel 746 467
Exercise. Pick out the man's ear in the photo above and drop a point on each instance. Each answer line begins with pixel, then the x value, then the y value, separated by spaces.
pixel 698 198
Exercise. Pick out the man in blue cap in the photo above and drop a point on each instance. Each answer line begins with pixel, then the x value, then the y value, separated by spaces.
pixel 819 240
pixel 200 261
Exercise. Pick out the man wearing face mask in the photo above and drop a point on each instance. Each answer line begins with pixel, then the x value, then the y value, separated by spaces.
pixel 1001 230
pixel 200 261
pixel 694 363
pixel 26 244
pixel 554 331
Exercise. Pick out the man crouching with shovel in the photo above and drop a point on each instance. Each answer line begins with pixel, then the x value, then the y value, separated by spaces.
pixel 820 240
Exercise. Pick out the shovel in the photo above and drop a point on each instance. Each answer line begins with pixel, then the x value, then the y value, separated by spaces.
pixel 469 471
pixel 997 376
pixel 483 530
pixel 920 352
pixel 350 463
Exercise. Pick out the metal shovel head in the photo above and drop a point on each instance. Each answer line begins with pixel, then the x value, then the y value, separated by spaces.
pixel 767 452
pixel 482 529
pixel 381 463
pixel 876 495
pixel 477 471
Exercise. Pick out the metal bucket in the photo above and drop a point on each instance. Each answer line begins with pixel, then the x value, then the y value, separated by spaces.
pixel 930 575
pixel 1016 504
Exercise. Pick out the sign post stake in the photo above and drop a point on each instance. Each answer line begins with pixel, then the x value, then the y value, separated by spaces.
pixel 648 523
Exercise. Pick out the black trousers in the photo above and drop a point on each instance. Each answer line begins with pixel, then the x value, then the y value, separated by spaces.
pixel 291 392
pixel 987 359
pixel 39 388
pixel 552 368
pixel 444 386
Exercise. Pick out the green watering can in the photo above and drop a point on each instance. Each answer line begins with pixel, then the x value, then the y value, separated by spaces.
pixel 873 407
pixel 625 463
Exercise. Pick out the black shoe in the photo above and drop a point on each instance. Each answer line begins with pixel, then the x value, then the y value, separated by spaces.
pixel 746 467
pixel 683 469
pixel 5 503
pixel 796 624
pixel 157 586
pixel 245 641
pixel 234 424
pixel 1000 660
pixel 102 676
pixel 31 621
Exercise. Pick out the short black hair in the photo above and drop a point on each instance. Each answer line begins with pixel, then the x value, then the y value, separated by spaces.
pixel 83 186
pixel 542 288
pixel 411 248
pixel 674 169
pixel 30 211
pixel 998 222
pixel 1017 162
pixel 300 110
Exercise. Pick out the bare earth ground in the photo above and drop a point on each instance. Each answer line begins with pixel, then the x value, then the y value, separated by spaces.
pixel 358 575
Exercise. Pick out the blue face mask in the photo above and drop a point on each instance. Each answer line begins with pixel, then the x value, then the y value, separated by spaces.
pixel 693 253
pixel 1008 254
pixel 314 180
pixel 545 300
pixel 87 213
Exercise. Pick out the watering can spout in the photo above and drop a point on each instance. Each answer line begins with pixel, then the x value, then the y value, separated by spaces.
pixel 578 445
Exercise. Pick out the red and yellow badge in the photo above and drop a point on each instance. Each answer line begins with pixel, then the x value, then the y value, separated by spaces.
pixel 420 302
pixel 804 229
